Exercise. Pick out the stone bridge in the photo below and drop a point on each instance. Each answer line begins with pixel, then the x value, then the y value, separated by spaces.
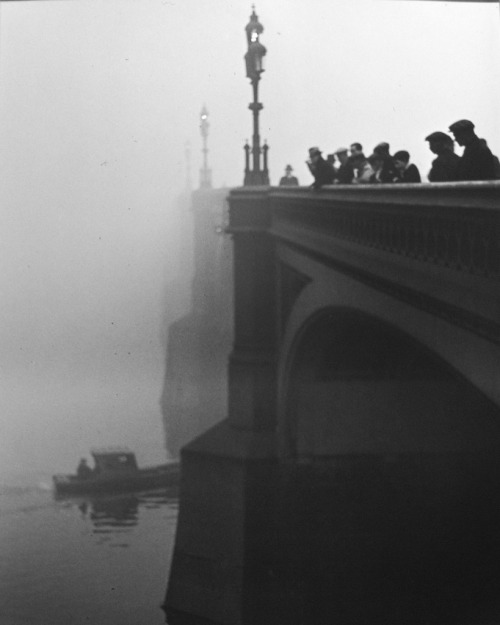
pixel 356 479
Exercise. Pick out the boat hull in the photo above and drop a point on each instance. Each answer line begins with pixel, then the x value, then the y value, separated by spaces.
pixel 163 476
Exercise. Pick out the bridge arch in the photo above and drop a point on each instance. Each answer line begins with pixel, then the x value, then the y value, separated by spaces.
pixel 356 384
pixel 389 475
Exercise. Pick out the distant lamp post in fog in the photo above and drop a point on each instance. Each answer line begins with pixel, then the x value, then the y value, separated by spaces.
pixel 254 65
pixel 205 172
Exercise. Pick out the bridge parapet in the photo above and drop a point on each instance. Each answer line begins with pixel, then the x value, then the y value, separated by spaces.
pixel 436 246
pixel 449 225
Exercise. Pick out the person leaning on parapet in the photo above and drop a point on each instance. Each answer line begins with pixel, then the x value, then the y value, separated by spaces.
pixel 377 163
pixel 288 180
pixel 408 172
pixel 388 172
pixel 476 162
pixel 345 172
pixel 363 170
pixel 330 158
pixel 443 167
pixel 322 171
pixel 496 162
pixel 356 148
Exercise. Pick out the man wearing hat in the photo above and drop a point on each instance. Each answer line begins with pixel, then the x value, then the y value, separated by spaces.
pixel 322 171
pixel 345 171
pixel 477 161
pixel 443 167
pixel 288 180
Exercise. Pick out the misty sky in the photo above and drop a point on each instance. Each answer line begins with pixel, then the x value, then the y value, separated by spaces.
pixel 97 101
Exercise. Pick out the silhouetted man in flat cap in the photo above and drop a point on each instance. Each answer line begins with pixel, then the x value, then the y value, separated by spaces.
pixel 477 162
pixel 322 171
pixel 288 180
pixel 445 165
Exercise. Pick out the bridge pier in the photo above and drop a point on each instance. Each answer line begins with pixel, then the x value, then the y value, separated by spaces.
pixel 356 479
pixel 224 534
pixel 225 531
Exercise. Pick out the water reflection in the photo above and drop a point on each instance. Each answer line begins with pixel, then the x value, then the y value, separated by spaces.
pixel 111 513
pixel 97 560
pixel 118 514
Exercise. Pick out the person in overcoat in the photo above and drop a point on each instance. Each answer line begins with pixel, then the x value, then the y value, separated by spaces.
pixel 322 170
pixel 477 161
pixel 444 166
pixel 288 180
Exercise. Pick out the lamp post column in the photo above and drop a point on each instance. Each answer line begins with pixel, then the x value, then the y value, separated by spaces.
pixel 255 107
pixel 254 66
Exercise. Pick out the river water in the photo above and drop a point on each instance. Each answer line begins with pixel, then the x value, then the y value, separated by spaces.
pixel 83 561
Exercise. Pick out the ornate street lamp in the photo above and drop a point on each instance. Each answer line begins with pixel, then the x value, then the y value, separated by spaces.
pixel 254 65
pixel 205 172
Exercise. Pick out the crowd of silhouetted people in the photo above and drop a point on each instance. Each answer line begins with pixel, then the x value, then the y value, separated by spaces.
pixel 351 166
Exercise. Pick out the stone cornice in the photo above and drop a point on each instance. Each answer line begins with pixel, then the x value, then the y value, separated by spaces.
pixel 442 194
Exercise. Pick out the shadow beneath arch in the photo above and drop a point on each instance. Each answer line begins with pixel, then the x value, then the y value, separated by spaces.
pixel 388 503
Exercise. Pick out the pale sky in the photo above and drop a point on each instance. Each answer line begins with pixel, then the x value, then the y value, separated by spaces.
pixel 97 101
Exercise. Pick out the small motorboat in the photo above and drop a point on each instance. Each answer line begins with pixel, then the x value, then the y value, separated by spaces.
pixel 116 470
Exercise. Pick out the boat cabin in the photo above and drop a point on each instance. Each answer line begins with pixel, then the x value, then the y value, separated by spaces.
pixel 114 461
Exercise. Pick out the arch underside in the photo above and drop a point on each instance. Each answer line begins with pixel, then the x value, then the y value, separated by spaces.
pixel 389 479
pixel 358 385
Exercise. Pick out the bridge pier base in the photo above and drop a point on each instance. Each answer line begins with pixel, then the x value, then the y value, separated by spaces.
pixel 224 534
pixel 376 539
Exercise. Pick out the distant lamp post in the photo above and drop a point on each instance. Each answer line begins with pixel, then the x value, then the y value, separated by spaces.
pixel 254 60
pixel 205 172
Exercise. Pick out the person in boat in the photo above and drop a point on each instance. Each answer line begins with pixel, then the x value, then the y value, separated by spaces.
pixel 83 470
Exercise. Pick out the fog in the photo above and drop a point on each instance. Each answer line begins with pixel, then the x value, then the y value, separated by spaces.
pixel 97 101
